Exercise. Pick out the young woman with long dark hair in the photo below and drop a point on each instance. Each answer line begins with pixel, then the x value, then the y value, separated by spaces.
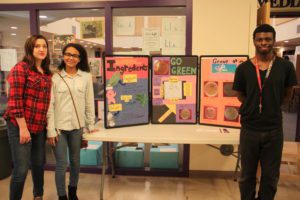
pixel 71 109
pixel 28 102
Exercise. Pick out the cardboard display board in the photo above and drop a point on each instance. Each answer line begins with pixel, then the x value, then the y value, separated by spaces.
pixel 218 102
pixel 126 91
pixel 174 89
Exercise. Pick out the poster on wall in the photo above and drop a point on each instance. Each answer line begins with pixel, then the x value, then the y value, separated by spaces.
pixel 97 74
pixel 95 66
pixel 124 26
pixel 92 29
pixel 98 86
pixel 218 102
pixel 59 41
pixel 8 59
pixel 174 89
pixel 126 81
pixel 151 39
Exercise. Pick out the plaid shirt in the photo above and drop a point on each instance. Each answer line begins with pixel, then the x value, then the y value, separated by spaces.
pixel 29 97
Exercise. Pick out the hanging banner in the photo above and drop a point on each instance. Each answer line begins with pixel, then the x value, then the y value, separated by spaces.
pixel 126 90
pixel 285 6
pixel 174 89
pixel 218 102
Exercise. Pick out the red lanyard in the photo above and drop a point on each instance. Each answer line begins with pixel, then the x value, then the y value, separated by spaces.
pixel 260 85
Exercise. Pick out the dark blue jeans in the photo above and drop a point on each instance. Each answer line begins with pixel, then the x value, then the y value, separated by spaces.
pixel 24 155
pixel 67 140
pixel 266 148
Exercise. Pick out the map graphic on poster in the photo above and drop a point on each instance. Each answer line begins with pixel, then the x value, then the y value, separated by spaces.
pixel 174 89
pixel 126 91
pixel 219 104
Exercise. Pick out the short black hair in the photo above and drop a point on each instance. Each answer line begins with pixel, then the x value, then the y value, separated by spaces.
pixel 83 63
pixel 264 28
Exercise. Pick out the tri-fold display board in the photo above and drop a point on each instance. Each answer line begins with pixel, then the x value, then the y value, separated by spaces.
pixel 126 91
pixel 174 89
pixel 218 102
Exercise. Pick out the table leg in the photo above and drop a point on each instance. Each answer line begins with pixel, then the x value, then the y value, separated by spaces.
pixel 237 166
pixel 104 154
pixel 111 154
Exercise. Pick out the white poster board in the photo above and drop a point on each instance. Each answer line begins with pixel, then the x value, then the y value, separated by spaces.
pixel 173 45
pixel 124 25
pixel 8 59
pixel 151 39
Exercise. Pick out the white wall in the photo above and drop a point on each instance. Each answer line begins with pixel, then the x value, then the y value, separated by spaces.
pixel 288 30
pixel 219 27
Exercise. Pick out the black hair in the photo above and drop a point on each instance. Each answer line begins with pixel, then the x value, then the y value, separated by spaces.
pixel 264 28
pixel 83 63
pixel 286 57
pixel 29 58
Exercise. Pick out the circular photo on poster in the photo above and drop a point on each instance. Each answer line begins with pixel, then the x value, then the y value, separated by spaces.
pixel 210 89
pixel 161 67
pixel 227 90
pixel 185 114
pixel 210 112
pixel 231 113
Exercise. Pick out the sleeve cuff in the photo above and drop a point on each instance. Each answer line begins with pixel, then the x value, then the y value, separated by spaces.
pixel 51 133
pixel 16 113
pixel 91 127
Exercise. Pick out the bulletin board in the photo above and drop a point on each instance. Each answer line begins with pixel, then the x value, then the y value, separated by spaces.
pixel 218 102
pixel 174 89
pixel 126 91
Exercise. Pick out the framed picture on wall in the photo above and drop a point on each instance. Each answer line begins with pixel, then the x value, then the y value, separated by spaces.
pixel 126 80
pixel 92 29
pixel 59 41
pixel 218 102
pixel 174 89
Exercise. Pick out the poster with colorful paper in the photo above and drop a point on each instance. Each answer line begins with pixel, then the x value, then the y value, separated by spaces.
pixel 126 90
pixel 174 89
pixel 218 102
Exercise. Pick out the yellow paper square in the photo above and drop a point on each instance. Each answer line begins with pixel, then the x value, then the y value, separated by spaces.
pixel 126 98
pixel 130 78
pixel 115 107
pixel 187 89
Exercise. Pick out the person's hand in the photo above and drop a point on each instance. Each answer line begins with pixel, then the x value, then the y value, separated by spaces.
pixel 24 136
pixel 52 140
pixel 93 131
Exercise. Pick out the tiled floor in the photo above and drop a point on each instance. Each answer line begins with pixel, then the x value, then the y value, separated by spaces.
pixel 152 188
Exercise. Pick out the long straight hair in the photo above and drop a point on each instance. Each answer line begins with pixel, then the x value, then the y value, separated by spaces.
pixel 30 59
pixel 83 64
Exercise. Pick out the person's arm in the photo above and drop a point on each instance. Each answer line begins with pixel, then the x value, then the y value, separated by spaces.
pixel 89 105
pixel 23 131
pixel 51 131
pixel 17 81
pixel 241 96
pixel 239 85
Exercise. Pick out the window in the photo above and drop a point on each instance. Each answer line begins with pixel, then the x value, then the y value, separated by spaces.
pixel 14 31
pixel 84 26
pixel 154 31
